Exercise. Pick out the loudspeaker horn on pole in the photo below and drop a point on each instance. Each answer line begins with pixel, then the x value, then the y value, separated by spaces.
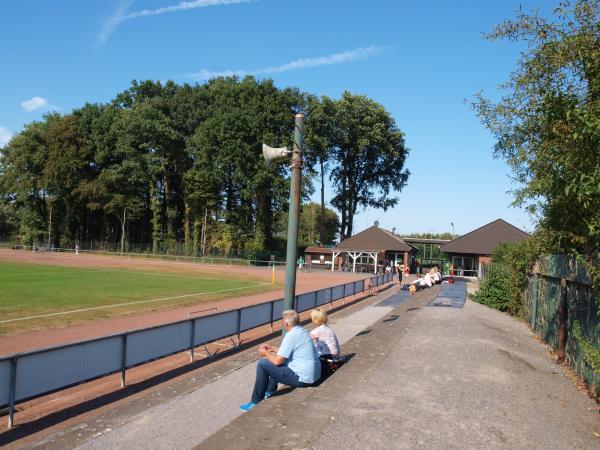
pixel 272 155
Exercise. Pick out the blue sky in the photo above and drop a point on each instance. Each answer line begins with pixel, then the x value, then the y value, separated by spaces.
pixel 421 60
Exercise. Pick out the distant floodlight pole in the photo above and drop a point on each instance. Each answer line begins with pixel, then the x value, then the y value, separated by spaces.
pixel 452 223
pixel 294 214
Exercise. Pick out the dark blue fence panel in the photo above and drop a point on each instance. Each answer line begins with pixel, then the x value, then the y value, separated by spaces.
pixel 277 310
pixel 211 328
pixel 306 301
pixel 338 292
pixel 373 281
pixel 253 316
pixel 150 344
pixel 64 366
pixel 348 289
pixel 4 381
pixel 359 286
pixel 323 296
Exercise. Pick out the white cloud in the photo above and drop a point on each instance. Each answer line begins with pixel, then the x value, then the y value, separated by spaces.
pixel 120 16
pixel 113 22
pixel 182 6
pixel 5 136
pixel 35 103
pixel 336 58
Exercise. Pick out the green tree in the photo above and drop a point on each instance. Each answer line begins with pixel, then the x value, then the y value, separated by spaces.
pixel 179 166
pixel 242 114
pixel 9 220
pixel 368 155
pixel 23 179
pixel 310 226
pixel 319 126
pixel 547 124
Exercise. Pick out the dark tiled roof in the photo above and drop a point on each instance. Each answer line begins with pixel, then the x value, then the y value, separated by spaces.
pixel 485 239
pixel 375 238
pixel 323 250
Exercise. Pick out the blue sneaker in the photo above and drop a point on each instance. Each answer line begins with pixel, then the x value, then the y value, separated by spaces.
pixel 268 394
pixel 247 406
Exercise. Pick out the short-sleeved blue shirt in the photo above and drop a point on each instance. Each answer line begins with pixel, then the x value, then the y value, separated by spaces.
pixel 301 354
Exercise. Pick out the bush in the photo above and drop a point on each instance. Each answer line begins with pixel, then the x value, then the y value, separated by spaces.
pixel 494 290
pixel 505 285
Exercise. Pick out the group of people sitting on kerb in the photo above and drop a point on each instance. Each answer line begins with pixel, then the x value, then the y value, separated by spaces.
pixel 299 361
pixel 434 276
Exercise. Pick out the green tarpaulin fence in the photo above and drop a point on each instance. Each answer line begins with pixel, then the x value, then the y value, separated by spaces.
pixel 562 280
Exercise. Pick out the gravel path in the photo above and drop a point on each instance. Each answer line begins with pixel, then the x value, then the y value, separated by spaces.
pixel 466 378
pixel 430 378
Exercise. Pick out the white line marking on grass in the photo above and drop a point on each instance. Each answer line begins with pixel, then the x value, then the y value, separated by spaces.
pixel 77 271
pixel 62 313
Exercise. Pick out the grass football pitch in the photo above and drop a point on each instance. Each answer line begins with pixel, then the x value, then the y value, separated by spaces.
pixel 34 296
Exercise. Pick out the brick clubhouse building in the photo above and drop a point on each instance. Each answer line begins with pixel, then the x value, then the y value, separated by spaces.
pixel 471 251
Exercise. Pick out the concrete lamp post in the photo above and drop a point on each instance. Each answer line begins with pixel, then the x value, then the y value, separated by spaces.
pixel 272 155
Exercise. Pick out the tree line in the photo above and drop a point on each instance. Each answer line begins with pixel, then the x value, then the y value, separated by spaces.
pixel 178 168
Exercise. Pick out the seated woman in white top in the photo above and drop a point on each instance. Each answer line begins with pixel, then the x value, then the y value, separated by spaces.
pixel 324 337
pixel 428 280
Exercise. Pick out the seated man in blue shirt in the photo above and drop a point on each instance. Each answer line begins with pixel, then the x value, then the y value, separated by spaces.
pixel 296 363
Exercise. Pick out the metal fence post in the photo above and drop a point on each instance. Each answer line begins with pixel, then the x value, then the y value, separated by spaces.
pixel 123 358
pixel 192 339
pixel 272 313
pixel 12 392
pixel 239 326
pixel 562 320
pixel 534 302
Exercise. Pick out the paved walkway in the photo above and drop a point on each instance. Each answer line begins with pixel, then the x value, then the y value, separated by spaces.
pixel 430 378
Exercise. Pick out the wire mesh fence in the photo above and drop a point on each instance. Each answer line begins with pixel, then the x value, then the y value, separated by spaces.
pixel 207 259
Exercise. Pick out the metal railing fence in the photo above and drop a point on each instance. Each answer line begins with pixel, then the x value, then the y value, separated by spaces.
pixel 27 375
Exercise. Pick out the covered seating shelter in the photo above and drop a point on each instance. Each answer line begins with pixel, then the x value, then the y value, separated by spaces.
pixel 374 246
